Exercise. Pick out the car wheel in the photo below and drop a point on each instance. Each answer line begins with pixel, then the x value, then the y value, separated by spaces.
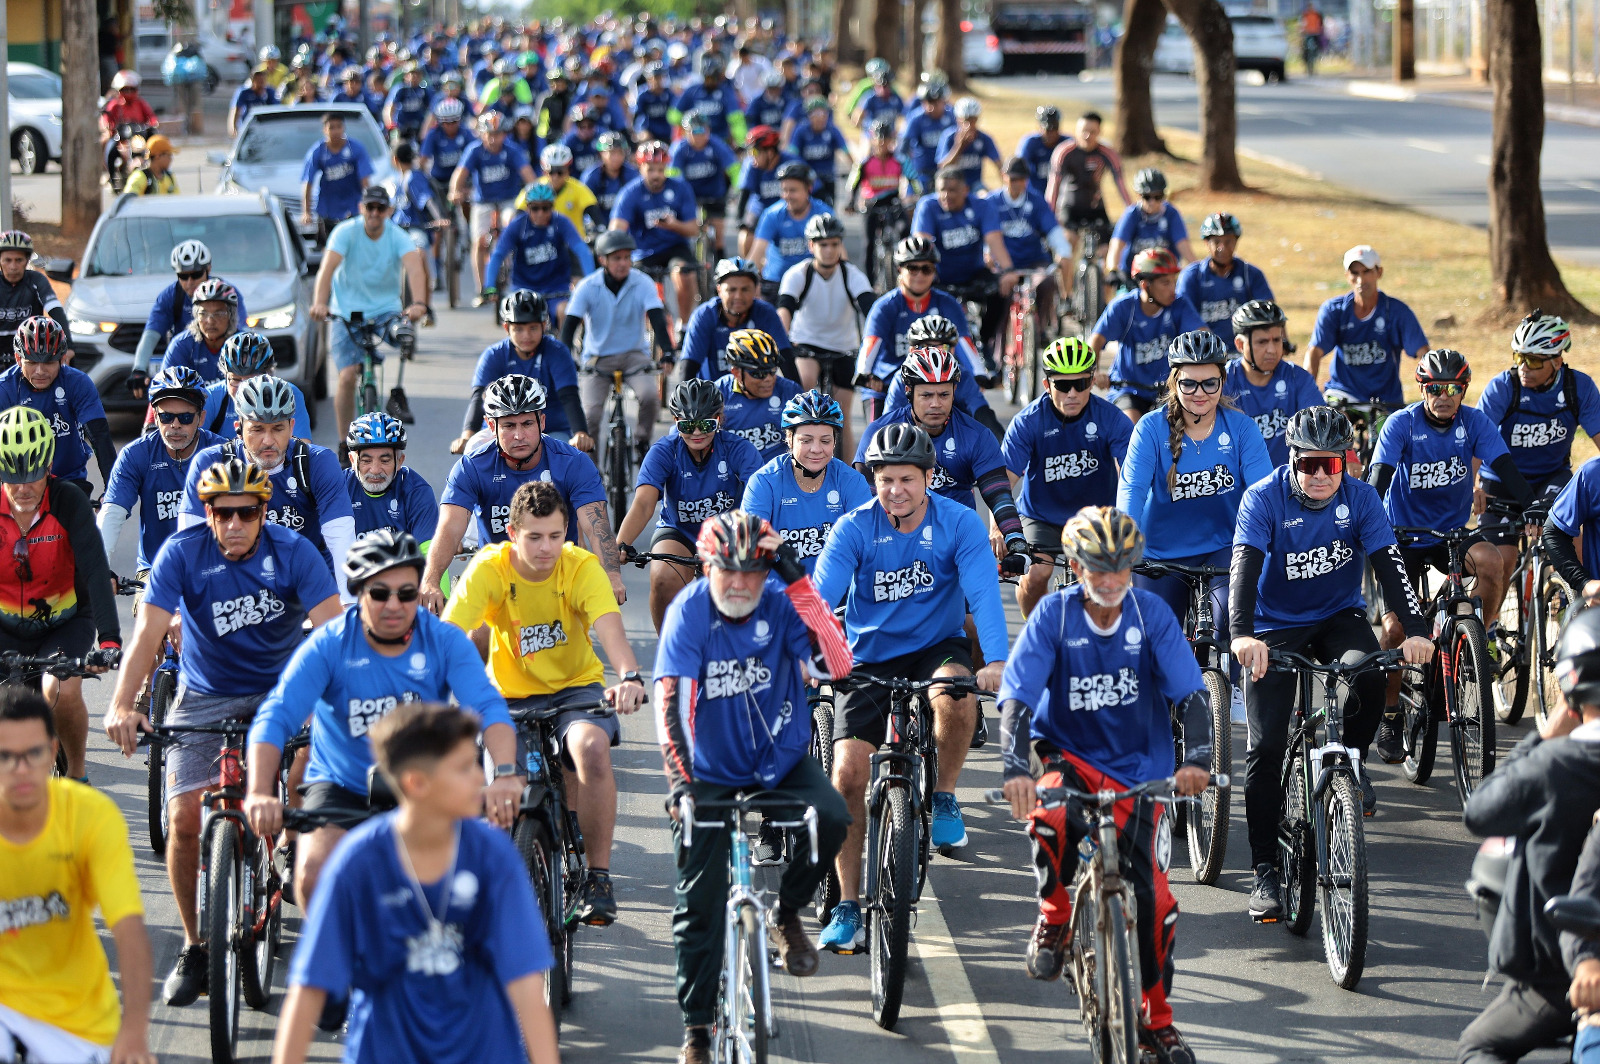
pixel 28 148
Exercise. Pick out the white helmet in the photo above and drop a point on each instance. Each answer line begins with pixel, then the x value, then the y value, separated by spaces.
pixel 265 399
pixel 190 255
pixel 125 79
pixel 269 53
pixel 1541 335
pixel 967 107
pixel 555 155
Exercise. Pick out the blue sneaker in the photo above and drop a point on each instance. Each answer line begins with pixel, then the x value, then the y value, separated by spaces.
pixel 843 933
pixel 949 830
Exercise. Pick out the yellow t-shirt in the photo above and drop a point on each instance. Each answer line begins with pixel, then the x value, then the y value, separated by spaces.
pixel 572 199
pixel 139 185
pixel 52 966
pixel 540 631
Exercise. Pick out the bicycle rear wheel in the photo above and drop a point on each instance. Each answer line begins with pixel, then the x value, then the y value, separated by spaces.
pixel 1550 611
pixel 749 1003
pixel 1471 719
pixel 1089 295
pixel 1124 1002
pixel 451 246
pixel 533 845
pixel 619 472
pixel 1419 729
pixel 889 929
pixel 1510 676
pixel 827 895
pixel 224 906
pixel 162 691
pixel 258 944
pixel 1297 850
pixel 1207 822
pixel 1344 887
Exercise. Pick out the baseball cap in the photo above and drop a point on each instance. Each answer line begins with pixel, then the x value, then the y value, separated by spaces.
pixel 375 194
pixel 1365 254
pixel 158 144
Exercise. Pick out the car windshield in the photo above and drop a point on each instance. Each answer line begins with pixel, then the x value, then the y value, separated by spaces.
pixel 34 86
pixel 287 137
pixel 126 247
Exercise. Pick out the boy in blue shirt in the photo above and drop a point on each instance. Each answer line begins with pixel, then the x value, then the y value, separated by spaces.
pixel 1219 284
pixel 1367 332
pixel 340 169
pixel 1263 383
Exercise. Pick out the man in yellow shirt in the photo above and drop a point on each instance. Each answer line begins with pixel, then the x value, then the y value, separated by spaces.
pixel 156 177
pixel 539 596
pixel 574 199
pixel 63 852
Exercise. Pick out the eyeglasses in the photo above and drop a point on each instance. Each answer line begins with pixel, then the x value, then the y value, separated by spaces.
pixel 558 171
pixel 918 267
pixel 213 315
pixel 11 760
pixel 192 275
pixel 541 207
pixel 1443 388
pixel 1077 384
pixel 379 593
pixel 19 558
pixel 1188 385
pixel 1324 465
pixel 1153 199
pixel 695 428
pixel 166 417
pixel 247 515
pixel 1518 358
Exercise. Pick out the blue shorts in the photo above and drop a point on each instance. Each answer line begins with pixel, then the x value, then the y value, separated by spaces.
pixel 343 347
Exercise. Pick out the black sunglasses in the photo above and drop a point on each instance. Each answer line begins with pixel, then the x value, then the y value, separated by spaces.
pixel 757 374
pixel 191 275
pixel 695 428
pixel 380 593
pixel 1077 384
pixel 246 514
pixel 541 207
pixel 1188 386
pixel 166 417
pixel 919 267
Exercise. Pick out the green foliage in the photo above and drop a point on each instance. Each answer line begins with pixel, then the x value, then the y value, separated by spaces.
pixel 583 10
pixel 177 12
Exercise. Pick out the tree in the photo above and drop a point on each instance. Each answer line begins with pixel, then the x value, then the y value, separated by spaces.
pixel 1525 276
pixel 886 31
pixel 1143 21
pixel 1208 27
pixel 81 159
pixel 847 49
pixel 948 42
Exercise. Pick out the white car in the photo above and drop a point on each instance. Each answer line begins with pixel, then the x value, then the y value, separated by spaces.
pixel 35 102
pixel 1259 43
pixel 980 48
pixel 226 62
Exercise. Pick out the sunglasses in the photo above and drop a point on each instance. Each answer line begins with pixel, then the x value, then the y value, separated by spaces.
pixel 535 207
pixel 1443 388
pixel 374 208
pixel 192 275
pixel 1325 465
pixel 918 267
pixel 19 557
pixel 695 428
pixel 1080 384
pixel 380 594
pixel 1531 361
pixel 246 514
pixel 758 374
pixel 166 417
pixel 1188 385
pixel 558 171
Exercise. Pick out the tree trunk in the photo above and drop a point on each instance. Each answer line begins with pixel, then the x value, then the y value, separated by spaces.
pixel 1208 27
pixel 948 44
pixel 886 31
pixel 847 49
pixel 1405 40
pixel 915 45
pixel 81 158
pixel 1525 276
pixel 1135 117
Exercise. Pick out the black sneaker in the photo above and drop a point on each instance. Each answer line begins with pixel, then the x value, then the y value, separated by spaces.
pixel 769 846
pixel 1266 900
pixel 187 981
pixel 1369 796
pixel 980 732
pixel 334 1010
pixel 1047 950
pixel 1391 737
pixel 696 1046
pixel 597 904
pixel 1167 1044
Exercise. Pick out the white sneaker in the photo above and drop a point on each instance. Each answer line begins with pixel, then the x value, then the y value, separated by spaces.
pixel 1237 706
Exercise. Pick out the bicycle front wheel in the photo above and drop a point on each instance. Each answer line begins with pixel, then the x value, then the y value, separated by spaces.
pixel 1511 673
pixel 827 895
pixel 1090 297
pixel 889 932
pixel 451 247
pixel 162 691
pixel 1420 731
pixel 749 1003
pixel 1207 822
pixel 619 472
pixel 1344 888
pixel 1471 719
pixel 533 846
pixel 1297 850
pixel 258 949
pixel 224 910
pixel 1550 611
pixel 1124 1004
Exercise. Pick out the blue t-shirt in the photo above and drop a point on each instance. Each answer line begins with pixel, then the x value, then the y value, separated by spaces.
pixel 410 105
pixel 643 209
pixel 786 237
pixel 189 350
pixel 758 421
pixel 1024 227
pixel 412 192
pixel 1541 430
pixel 919 143
pixel 408 504
pixel 1577 512
pixel 765 111
pixel 883 342
pixel 614 322
pixel 1432 485
pixel 1198 515
pixel 1290 390
pixel 551 365
pixel 241 619
pixel 819 149
pixel 748 725
pixel 444 153
pixel 706 169
pixel 1314 558
pixel 246 99
pixel 220 413
pixel 764 187
pixel 605 187
pixel 496 176
pixel 1036 153
pixel 962 453
pixel 483 482
pixel 650 111
pixel 298 507
pixel 147 474
pixel 541 255
pixel 68 404
pixel 1104 698
pixel 1065 465
pixel 804 518
pixel 585 153
pixel 906 591
pixel 368 278
pixel 419 995
pixel 706 337
pixel 715 104
pixel 970 161
pixel 1140 367
pixel 690 492
pixel 338 682
pixel 875 105
pixel 1366 352
pixel 172 311
pixel 1217 296
pixel 959 234
pixel 338 176
pixel 1138 231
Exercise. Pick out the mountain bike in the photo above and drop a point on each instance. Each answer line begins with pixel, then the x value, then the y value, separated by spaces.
pixel 820 703
pixel 1023 346
pixel 1321 835
pixel 744 1023
pixel 397 331
pixel 1206 823
pixel 1088 300
pixel 889 222
pixel 156 701
pixel 1518 639
pixel 617 456
pixel 1460 680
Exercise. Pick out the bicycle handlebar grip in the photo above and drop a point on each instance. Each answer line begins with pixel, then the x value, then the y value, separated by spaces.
pixel 995 796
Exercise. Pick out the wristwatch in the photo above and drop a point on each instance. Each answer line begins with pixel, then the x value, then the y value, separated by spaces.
pixel 632 677
pixel 502 771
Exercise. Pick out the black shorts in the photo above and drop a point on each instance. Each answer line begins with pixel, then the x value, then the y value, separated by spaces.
pixel 836 368
pixel 664 533
pixel 1501 530
pixel 325 795
pixel 1084 217
pixel 1042 536
pixel 713 206
pixel 863 713
pixel 677 257
pixel 769 291
pixel 587 694
pixel 73 637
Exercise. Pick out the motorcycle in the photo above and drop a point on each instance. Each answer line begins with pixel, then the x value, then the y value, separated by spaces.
pixel 126 152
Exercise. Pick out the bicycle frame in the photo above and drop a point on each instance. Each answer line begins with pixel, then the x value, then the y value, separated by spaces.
pixel 226 802
pixel 1447 605
pixel 910 746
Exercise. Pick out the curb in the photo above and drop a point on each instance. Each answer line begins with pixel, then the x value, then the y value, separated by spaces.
pixel 1385 90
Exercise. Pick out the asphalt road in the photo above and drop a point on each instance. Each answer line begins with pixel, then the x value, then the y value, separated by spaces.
pixel 1245 994
pixel 1429 156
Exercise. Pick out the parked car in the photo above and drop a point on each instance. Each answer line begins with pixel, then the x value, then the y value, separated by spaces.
pixel 226 62
pixel 35 101
pixel 1259 43
pixel 254 246
pixel 980 48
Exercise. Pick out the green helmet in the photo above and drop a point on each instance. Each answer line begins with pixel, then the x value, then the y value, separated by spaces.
pixel 27 445
pixel 1069 355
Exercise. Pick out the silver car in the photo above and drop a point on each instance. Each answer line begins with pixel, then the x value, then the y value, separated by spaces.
pixel 254 246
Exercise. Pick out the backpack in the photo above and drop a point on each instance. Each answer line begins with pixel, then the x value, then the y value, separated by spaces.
pixel 1569 390
pixel 844 273
pixel 299 455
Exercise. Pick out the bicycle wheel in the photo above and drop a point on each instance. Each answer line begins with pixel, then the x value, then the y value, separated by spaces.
pixel 619 463
pixel 1344 886
pixel 1297 850
pixel 1123 1004
pixel 1550 611
pixel 1207 822
pixel 889 929
pixel 258 949
pixel 1471 722
pixel 369 398
pixel 1090 295
pixel 827 895
pixel 1419 729
pixel 451 245
pixel 1089 976
pixel 162 691
pixel 749 998
pixel 1013 351
pixel 1510 690
pixel 533 845
pixel 224 910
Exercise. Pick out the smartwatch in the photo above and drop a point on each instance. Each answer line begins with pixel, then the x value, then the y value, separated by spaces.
pixel 502 771
pixel 632 677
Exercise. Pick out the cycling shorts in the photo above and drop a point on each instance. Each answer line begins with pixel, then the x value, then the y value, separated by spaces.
pixel 1500 529
pixel 769 290
pixel 664 533
pixel 326 795
pixel 863 713
pixel 1083 217
pixel 73 637
pixel 678 257
pixel 836 368
pixel 587 694
pixel 1043 536
pixel 484 216
pixel 713 206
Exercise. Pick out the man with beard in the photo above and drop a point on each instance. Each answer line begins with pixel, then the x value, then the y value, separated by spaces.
pixel 384 491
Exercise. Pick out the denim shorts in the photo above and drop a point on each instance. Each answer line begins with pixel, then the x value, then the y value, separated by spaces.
pixel 343 347
pixel 194 762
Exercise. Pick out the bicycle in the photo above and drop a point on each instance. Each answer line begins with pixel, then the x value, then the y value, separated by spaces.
pixel 1519 642
pixel 21 669
pixel 744 1024
pixel 1321 835
pixel 1460 680
pixel 706 254
pixel 617 453
pixel 549 840
pixel 1023 343
pixel 886 216
pixel 1088 300
pixel 641 558
pixel 1104 957
pixel 1206 826
pixel 453 251
pixel 156 701
pixel 397 331
pixel 899 841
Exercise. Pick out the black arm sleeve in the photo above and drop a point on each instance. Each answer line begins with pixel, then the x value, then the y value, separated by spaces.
pixel 1563 554
pixel 1197 730
pixel 864 301
pixel 1016 723
pixel 986 416
pixel 1512 478
pixel 569 328
pixel 1379 477
pixel 1585 881
pixel 788 302
pixel 59 316
pixel 573 407
pixel 474 419
pixel 658 324
pixel 744 201
pixel 105 452
pixel 597 216
pixel 91 572
pixel 786 364
pixel 1398 595
pixel 1243 577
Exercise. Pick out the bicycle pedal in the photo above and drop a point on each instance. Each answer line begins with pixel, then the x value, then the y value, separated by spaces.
pixel 1266 919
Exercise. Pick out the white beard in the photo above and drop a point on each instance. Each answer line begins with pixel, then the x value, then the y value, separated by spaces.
pixel 1105 602
pixel 736 611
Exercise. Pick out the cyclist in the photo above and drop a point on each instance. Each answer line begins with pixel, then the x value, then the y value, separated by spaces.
pixel 543 247
pixel 1144 323
pixel 716 675
pixel 65 397
pixel 556 105
pixel 408 103
pixel 923 132
pixel 378 654
pixel 818 143
pixel 880 104
pixel 243 588
pixel 340 169
pixel 155 177
pixel 1263 383
pixel 385 493
pixel 67 854
pixel 907 566
pixel 1033 237
pixel 360 272
pixel 583 139
pixel 446 142
pixel 486 477
pixel 245 355
pixel 530 350
pixel 1220 284
pixel 714 98
pixel 967 232
pixel 875 187
pixel 660 213
pixel 769 106
pixel 505 92
pixel 24 293
pixel 173 308
pixel 495 171
pixel 823 301
pixel 735 307
pixel 1062 453
pixel 806 489
pixel 540 595
pixel 123 106
pixel 781 231
pixel 1150 223
pixel 693 473
pixel 1036 148
pixel 307 490
pixel 964 146
pixel 574 200
pixel 710 166
pixel 652 106
pixel 1367 332
pixel 351 91
pixel 1077 168
pixel 1089 690
pixel 754 391
pixel 612 173
pixel 216 318
pixel 758 184
pixel 277 70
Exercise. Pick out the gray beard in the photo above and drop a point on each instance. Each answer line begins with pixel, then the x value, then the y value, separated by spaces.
pixel 735 611
pixel 1105 603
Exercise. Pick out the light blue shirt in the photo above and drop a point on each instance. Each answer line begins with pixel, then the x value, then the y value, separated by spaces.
pixel 613 324
pixel 368 278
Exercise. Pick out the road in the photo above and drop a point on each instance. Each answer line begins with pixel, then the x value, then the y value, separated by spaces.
pixel 1428 156
pixel 1245 994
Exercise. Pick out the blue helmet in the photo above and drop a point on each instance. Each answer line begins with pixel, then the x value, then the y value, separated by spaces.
pixel 245 354
pixel 815 407
pixel 376 429
pixel 179 382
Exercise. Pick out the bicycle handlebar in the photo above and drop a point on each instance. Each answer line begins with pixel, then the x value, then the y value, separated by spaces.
pixel 1190 573
pixel 597 708
pixel 1533 513
pixel 172 733
pixel 58 665
pixel 1160 790
pixel 642 557
pixel 959 685
pixel 1288 661
pixel 1454 535
pixel 735 808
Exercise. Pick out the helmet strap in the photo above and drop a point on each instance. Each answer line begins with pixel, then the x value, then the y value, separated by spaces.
pixel 381 641
pixel 802 471
pixel 1435 422
pixel 1306 501
pixel 921 508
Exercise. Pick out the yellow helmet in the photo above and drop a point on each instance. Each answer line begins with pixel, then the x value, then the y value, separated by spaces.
pixel 752 349
pixel 27 445
pixel 234 476
pixel 1068 355
pixel 1103 538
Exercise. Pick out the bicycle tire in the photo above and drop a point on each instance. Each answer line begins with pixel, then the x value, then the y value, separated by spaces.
pixel 1088 976
pixel 1092 295
pixel 1124 1003
pixel 222 913
pixel 618 472
pixel 1297 849
pixel 258 958
pixel 369 399
pixel 828 891
pixel 162 691
pixel 1551 607
pixel 1419 728
pixel 1344 883
pixel 532 838
pixel 889 928
pixel 1207 823
pixel 1013 353
pixel 1511 678
pixel 1029 353
pixel 1471 718
pixel 750 1021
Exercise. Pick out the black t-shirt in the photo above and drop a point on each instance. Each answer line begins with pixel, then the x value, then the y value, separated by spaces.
pixel 28 298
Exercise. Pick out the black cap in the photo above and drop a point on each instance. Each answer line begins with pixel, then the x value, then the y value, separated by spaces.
pixel 375 194
pixel 1017 166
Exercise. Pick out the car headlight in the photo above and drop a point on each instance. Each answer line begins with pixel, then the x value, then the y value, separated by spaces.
pixel 88 330
pixel 276 318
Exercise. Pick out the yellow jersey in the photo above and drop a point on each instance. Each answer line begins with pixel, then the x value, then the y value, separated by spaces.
pixel 572 199
pixel 52 966
pixel 139 183
pixel 539 631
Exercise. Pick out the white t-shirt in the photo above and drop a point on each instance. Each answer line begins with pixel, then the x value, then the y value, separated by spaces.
pixel 828 317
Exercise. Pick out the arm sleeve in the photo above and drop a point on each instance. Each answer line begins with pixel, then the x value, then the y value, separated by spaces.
pixel 105 452
pixel 658 325
pixel 995 487
pixel 1022 686
pixel 1558 544
pixel 571 405
pixel 831 652
pixel 569 325
pixel 1243 578
pixel 147 348
pixel 474 418
pixel 1016 727
pixel 980 581
pixel 112 518
pixel 92 573
pixel 1380 476
pixel 1197 730
pixel 1506 469
pixel 1398 595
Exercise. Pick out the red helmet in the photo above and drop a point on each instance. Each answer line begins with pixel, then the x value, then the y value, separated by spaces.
pixel 930 365
pixel 651 151
pixel 582 112
pixel 762 138
pixel 1154 262
pixel 40 339
pixel 731 541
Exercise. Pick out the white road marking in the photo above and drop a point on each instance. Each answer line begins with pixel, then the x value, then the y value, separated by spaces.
pixel 953 999
pixel 1427 145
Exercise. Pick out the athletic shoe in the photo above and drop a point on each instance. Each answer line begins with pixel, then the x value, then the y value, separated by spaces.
pixel 980 732
pixel 1266 900
pixel 1369 796
pixel 843 933
pixel 1047 951
pixel 597 904
pixel 1391 744
pixel 769 846
pixel 187 980
pixel 1236 708
pixel 795 950
pixel 949 829
pixel 334 1011
pixel 1167 1044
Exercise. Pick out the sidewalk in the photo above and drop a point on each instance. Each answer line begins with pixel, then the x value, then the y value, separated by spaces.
pixel 1576 104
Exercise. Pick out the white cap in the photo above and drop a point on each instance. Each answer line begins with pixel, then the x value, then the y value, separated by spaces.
pixel 1365 254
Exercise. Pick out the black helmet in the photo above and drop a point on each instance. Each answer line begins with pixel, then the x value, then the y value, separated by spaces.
pixel 1150 182
pixel 695 399
pixel 900 444
pixel 1220 224
pixel 1319 428
pixel 796 171
pixel 915 249
pixel 511 395
pixel 614 240
pixel 379 551
pixel 1257 314
pixel 824 227
pixel 1577 667
pixel 1201 347
pixel 523 307
pixel 1443 366
pixel 932 328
